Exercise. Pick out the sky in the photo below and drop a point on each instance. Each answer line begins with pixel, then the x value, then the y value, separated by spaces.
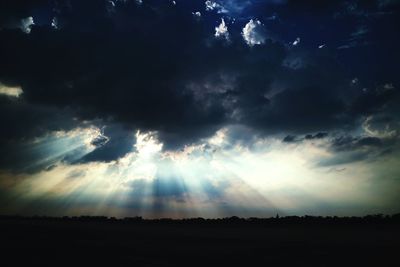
pixel 199 108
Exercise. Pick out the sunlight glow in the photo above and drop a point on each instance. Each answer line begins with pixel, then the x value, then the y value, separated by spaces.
pixel 13 91
pixel 147 145
pixel 212 178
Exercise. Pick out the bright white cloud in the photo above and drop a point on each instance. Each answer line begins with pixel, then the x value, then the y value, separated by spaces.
pixel 212 5
pixel 253 33
pixel 296 42
pixel 147 144
pixel 222 30
pixel 13 91
pixel 54 22
pixel 26 24
pixel 196 14
pixel 233 7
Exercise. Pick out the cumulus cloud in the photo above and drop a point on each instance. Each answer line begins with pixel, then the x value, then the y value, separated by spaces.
pixel 26 24
pixel 253 33
pixel 222 30
pixel 212 5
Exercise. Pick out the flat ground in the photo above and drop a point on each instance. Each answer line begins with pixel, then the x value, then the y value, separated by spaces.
pixel 74 243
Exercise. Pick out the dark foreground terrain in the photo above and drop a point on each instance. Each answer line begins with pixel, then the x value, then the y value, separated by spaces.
pixel 305 241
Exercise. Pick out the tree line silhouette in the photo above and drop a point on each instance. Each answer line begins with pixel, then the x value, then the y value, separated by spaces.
pixel 277 220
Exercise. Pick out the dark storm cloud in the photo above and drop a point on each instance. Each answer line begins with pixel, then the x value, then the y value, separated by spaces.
pixel 349 149
pixel 21 123
pixel 154 67
pixel 292 138
pixel 316 136
pixel 373 100
pixel 289 139
pixel 348 143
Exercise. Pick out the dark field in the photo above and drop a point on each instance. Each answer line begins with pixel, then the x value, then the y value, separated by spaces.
pixel 94 242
